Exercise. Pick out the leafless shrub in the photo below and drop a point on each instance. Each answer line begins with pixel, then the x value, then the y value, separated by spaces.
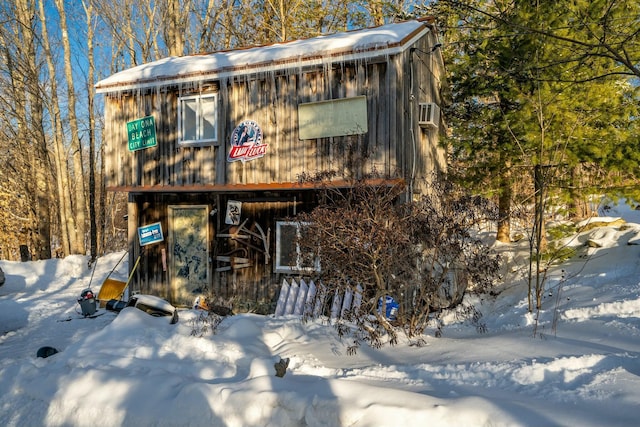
pixel 206 322
pixel 421 253
pixel 468 312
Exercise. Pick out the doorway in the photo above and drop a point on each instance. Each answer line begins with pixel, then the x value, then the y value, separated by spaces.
pixel 188 253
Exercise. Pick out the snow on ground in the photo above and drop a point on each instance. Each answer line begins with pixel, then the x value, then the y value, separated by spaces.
pixel 577 365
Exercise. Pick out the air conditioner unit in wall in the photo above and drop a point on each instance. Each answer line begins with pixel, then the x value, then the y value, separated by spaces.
pixel 429 115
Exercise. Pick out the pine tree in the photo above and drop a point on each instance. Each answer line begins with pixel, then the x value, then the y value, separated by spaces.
pixel 521 100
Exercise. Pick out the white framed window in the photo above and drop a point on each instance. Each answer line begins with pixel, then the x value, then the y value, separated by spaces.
pixel 288 256
pixel 198 120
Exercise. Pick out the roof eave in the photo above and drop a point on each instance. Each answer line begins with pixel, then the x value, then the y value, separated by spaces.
pixel 271 66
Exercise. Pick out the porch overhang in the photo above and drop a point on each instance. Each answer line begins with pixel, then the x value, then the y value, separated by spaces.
pixel 240 188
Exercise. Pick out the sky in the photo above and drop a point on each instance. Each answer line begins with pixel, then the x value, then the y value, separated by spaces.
pixel 578 364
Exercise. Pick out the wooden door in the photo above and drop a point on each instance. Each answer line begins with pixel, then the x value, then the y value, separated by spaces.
pixel 188 253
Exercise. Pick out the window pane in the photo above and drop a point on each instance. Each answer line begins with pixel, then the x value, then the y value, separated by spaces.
pixel 288 252
pixel 189 119
pixel 209 118
pixel 287 245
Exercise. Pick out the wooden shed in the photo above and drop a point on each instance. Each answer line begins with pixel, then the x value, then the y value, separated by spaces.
pixel 210 149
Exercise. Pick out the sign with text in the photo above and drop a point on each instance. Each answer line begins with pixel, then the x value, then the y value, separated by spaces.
pixel 142 133
pixel 246 142
pixel 150 234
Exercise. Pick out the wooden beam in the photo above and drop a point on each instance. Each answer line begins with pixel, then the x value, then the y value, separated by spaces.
pixel 238 188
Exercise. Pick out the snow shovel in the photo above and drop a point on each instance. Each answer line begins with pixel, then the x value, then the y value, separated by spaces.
pixel 112 290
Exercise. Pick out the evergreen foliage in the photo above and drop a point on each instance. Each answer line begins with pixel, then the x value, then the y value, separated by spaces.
pixel 534 84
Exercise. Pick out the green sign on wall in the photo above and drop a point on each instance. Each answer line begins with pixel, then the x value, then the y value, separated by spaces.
pixel 142 133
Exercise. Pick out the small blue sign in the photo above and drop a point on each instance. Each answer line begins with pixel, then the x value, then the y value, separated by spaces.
pixel 150 234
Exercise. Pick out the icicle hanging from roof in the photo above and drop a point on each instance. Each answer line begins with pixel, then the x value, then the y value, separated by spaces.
pixel 357 45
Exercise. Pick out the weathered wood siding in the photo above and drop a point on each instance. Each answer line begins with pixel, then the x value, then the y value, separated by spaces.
pixel 257 283
pixel 272 101
pixel 169 174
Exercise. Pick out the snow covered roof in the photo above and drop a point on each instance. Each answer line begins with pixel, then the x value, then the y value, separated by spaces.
pixel 387 39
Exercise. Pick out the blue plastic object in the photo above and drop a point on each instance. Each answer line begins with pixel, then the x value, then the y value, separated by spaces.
pixel 391 309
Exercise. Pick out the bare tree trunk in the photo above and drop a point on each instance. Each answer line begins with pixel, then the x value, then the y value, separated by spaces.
pixel 16 104
pixel 149 48
pixel 175 28
pixel 30 117
pixel 102 210
pixel 376 11
pixel 228 16
pixel 77 246
pixel 93 232
pixel 279 10
pixel 539 229
pixel 67 221
pixel 504 204
pixel 210 18
pixel 42 166
pixel 113 14
pixel 578 207
pixel 42 173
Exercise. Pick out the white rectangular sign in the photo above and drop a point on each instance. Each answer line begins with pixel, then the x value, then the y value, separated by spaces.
pixel 337 117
